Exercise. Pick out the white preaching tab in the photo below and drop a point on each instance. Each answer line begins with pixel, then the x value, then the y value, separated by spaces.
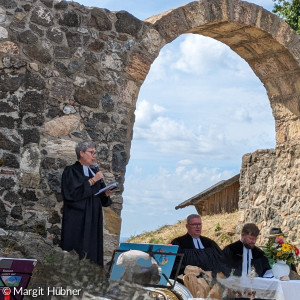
pixel 247 257
pixel 86 170
pixel 198 244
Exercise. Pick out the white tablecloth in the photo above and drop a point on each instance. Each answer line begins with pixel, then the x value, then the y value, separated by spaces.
pixel 264 288
pixel 290 289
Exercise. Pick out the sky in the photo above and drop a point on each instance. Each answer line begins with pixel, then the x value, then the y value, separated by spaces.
pixel 200 109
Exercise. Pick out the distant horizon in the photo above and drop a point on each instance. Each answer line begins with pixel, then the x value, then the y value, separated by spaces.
pixel 123 239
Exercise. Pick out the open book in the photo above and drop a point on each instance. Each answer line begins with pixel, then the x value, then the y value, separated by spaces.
pixel 108 187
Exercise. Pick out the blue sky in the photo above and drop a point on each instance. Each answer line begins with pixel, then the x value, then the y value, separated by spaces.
pixel 200 109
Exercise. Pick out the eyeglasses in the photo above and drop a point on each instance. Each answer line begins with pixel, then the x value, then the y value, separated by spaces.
pixel 196 224
pixel 92 152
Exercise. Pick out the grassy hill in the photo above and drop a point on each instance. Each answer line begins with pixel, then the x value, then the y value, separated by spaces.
pixel 221 228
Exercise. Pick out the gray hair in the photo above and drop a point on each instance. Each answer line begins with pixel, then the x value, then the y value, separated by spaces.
pixel 192 216
pixel 83 146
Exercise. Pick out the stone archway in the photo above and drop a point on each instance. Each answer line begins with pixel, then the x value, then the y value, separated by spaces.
pixel 272 49
pixel 268 44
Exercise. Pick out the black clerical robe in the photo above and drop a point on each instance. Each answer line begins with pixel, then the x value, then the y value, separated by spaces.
pixel 208 259
pixel 186 242
pixel 233 254
pixel 82 223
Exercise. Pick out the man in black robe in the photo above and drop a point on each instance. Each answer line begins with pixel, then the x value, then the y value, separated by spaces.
pixel 82 223
pixel 242 255
pixel 197 250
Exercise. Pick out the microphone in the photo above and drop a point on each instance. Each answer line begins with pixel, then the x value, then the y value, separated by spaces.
pixel 96 169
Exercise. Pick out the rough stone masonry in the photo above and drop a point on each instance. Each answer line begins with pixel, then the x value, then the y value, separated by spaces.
pixel 67 74
pixel 70 72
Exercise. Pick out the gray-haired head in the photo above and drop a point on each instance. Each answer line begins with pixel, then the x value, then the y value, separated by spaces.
pixel 83 146
pixel 192 216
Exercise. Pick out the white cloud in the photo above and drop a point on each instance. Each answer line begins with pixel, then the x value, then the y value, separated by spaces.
pixel 212 135
pixel 158 195
pixel 145 113
pixel 167 184
pixel 200 54
pixel 138 170
pixel 159 68
pixel 185 162
pixel 196 53
pixel 166 129
pixel 171 136
pixel 242 114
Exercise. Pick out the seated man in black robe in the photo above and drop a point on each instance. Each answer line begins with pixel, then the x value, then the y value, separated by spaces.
pixel 82 222
pixel 197 250
pixel 242 255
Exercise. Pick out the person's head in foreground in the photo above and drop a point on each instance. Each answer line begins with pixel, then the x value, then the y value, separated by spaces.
pixel 249 235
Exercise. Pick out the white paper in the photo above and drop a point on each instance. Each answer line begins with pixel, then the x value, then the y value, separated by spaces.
pixel 108 187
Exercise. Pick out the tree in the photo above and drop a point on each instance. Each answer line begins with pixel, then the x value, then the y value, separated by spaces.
pixel 289 11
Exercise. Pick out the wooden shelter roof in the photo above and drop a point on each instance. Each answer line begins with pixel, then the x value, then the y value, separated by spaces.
pixel 209 192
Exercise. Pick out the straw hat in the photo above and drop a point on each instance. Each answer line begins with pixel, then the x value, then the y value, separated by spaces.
pixel 275 231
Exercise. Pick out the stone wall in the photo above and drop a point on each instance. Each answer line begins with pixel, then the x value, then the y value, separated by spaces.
pixel 66 75
pixel 269 192
pixel 70 73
